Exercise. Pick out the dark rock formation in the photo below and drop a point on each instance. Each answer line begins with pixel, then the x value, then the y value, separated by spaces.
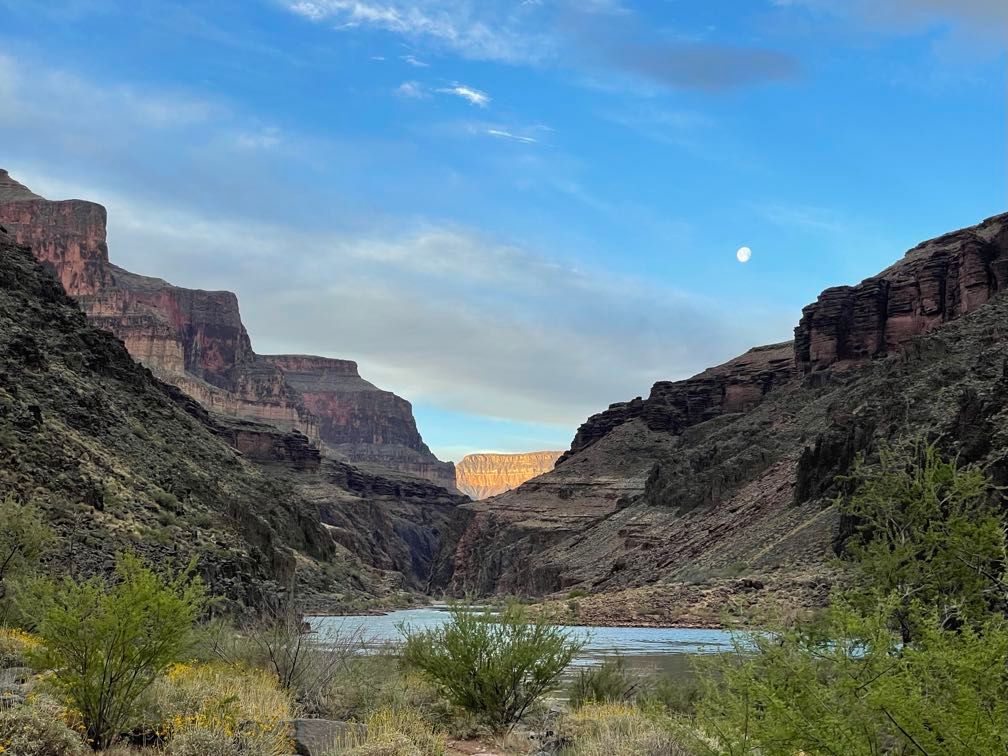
pixel 117 459
pixel 195 340
pixel 734 472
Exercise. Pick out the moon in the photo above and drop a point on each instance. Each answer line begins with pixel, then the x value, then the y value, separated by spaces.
pixel 743 254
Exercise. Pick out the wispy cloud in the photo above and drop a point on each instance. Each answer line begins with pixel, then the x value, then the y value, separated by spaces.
pixel 502 134
pixel 414 61
pixel 473 96
pixel 413 90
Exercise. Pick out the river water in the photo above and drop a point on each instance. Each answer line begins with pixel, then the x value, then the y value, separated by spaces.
pixel 665 650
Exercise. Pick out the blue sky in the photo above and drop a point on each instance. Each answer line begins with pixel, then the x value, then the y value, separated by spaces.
pixel 511 213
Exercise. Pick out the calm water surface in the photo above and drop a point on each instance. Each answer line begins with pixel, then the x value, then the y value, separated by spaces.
pixel 666 650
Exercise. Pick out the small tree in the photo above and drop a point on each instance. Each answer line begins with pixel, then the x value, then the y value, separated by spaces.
pixel 24 538
pixel 108 643
pixel 492 665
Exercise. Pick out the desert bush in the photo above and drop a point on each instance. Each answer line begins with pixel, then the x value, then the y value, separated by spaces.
pixel 230 707
pixel 109 642
pixel 379 681
pixel 306 664
pixel 398 732
pixel 492 665
pixel 38 728
pixel 608 682
pixel 620 729
pixel 16 647
pixel 24 538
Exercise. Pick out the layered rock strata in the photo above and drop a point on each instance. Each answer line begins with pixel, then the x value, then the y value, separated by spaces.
pixel 196 340
pixel 481 476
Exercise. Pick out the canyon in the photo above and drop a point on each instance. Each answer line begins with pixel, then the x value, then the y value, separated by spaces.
pixel 196 340
pixel 481 476
pixel 728 479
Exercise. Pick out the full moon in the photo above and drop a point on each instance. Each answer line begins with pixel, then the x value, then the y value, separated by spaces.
pixel 743 254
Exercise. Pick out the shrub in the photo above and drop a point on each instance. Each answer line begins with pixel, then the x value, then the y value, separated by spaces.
pixel 610 681
pixel 16 646
pixel 306 665
pixel 108 643
pixel 398 732
pixel 38 728
pixel 620 729
pixel 376 682
pixel 24 538
pixel 493 666
pixel 228 707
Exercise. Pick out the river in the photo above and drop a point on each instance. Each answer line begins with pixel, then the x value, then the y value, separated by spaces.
pixel 665 650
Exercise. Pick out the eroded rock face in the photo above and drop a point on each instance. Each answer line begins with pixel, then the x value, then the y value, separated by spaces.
pixel 481 476
pixel 196 340
pixel 935 282
pixel 735 471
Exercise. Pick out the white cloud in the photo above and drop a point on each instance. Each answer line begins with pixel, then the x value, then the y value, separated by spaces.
pixel 473 96
pixel 411 89
pixel 414 61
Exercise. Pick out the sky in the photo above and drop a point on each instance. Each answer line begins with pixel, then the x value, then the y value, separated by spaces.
pixel 511 212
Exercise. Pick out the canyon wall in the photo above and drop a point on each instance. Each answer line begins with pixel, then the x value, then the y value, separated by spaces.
pixel 196 340
pixel 734 473
pixel 481 476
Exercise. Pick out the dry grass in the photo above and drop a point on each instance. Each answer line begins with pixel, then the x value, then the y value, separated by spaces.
pixel 398 732
pixel 621 729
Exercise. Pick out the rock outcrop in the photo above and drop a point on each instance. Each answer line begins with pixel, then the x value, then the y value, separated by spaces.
pixel 481 476
pixel 935 282
pixel 195 340
pixel 117 459
pixel 733 472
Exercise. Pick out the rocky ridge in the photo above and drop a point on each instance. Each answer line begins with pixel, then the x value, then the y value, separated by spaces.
pixel 732 473
pixel 196 340
pixel 117 459
pixel 481 476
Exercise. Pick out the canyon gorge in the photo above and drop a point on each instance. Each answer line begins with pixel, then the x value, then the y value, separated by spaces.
pixel 481 476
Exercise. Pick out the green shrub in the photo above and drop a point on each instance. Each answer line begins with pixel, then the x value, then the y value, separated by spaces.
pixel 38 729
pixel 609 682
pixel 24 538
pixel 494 666
pixel 109 642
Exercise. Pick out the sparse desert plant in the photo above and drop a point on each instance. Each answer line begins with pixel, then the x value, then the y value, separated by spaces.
pixel 109 642
pixel 494 666
pixel 610 681
pixel 16 647
pixel 378 681
pixel 621 729
pixel 38 728
pixel 221 708
pixel 398 732
pixel 306 664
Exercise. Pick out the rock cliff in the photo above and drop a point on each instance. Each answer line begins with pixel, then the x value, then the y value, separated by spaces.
pixel 195 340
pixel 117 459
pixel 732 473
pixel 481 476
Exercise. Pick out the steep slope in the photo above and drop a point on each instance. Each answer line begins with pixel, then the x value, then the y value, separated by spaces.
pixel 195 340
pixel 732 472
pixel 118 459
pixel 481 476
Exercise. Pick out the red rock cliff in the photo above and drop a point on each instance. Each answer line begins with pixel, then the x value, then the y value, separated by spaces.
pixel 195 339
pixel 935 282
pixel 481 476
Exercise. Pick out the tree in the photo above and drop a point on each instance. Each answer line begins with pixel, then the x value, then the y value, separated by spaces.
pixel 928 532
pixel 24 538
pixel 108 642
pixel 492 665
